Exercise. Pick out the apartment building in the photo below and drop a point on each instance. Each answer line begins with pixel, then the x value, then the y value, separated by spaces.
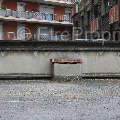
pixel 36 19
pixel 98 19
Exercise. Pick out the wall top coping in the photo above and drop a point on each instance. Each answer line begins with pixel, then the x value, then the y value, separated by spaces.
pixel 15 45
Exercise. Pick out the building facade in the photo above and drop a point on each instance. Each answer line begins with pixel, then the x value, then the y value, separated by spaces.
pixel 98 19
pixel 36 19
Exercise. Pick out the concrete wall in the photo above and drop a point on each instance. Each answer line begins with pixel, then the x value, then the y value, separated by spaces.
pixel 102 62
pixel 39 62
pixel 67 69
pixel 30 62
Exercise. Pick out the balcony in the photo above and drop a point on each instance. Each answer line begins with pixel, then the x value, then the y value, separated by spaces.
pixel 41 37
pixel 34 17
pixel 44 37
pixel 67 3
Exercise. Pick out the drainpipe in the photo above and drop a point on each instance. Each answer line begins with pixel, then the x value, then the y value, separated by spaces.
pixel 119 10
pixel 100 18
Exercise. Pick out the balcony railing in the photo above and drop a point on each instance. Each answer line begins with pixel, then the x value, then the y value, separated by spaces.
pixel 35 15
pixel 69 3
pixel 41 37
pixel 51 37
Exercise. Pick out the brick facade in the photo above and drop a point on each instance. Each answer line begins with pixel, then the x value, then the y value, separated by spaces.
pixel 11 29
pixel 10 4
pixel 32 6
pixel 59 11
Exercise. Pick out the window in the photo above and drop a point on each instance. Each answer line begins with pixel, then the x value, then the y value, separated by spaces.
pixel 88 17
pixel 82 22
pixel 67 15
pixel 1 31
pixel 45 33
pixel 11 35
pixel 21 6
pixel 77 7
pixel 96 11
pixel 47 13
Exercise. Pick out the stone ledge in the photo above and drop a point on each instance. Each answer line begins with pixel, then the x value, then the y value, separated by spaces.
pixel 101 75
pixel 59 78
pixel 23 76
pixel 61 49
pixel 64 46
pixel 66 78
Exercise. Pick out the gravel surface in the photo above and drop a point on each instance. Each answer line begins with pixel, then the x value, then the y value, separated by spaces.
pixel 44 100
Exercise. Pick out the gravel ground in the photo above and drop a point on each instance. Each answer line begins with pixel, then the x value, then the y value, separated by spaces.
pixel 44 100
